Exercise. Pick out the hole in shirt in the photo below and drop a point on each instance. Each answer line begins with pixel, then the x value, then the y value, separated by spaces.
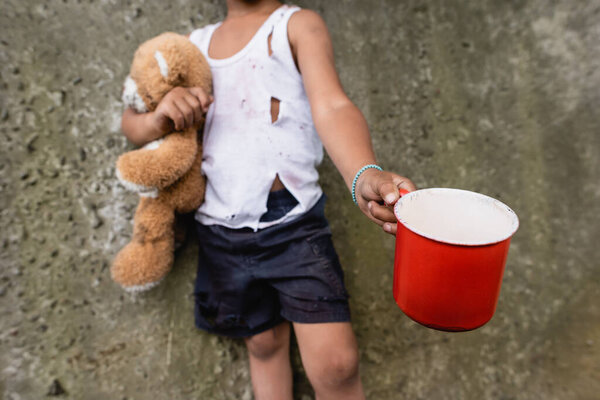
pixel 269 44
pixel 277 184
pixel 274 109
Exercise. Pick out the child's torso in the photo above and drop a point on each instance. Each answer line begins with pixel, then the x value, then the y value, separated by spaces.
pixel 231 37
pixel 259 128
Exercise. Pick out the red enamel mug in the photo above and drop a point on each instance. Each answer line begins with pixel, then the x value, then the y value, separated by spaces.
pixel 451 248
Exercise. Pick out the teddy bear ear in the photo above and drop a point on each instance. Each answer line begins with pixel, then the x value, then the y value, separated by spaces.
pixel 170 70
pixel 162 64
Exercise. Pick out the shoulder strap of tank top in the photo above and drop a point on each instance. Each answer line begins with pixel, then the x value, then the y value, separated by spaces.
pixel 280 44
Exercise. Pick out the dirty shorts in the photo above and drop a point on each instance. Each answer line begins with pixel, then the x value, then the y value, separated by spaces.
pixel 248 282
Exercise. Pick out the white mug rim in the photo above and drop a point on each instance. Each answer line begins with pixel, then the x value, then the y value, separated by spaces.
pixel 514 225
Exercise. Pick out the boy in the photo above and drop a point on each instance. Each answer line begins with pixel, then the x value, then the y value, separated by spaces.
pixel 266 257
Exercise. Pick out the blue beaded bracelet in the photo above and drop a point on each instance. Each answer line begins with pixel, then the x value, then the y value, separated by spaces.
pixel 363 169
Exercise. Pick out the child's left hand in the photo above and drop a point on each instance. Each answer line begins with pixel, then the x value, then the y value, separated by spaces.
pixel 376 193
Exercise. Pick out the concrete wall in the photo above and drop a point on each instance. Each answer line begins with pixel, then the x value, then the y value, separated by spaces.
pixel 499 97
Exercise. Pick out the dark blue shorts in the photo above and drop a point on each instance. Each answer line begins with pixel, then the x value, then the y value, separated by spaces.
pixel 248 281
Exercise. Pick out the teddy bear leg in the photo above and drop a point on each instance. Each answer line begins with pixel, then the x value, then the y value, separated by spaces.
pixel 158 164
pixel 147 259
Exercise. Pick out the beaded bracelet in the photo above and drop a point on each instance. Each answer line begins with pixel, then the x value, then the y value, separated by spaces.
pixel 363 169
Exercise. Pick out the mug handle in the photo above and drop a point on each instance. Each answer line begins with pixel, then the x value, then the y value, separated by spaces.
pixel 403 192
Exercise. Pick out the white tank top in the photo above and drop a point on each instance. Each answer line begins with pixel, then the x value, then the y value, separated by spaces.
pixel 243 149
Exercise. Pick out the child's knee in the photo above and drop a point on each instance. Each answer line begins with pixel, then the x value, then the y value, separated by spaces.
pixel 338 367
pixel 266 344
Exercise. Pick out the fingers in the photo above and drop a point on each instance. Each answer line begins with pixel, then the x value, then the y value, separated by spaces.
pixel 388 189
pixel 388 192
pixel 381 213
pixel 404 183
pixel 378 187
pixel 390 228
pixel 185 106
pixel 194 104
pixel 383 216
pixel 186 111
pixel 382 186
pixel 196 107
pixel 204 99
pixel 172 112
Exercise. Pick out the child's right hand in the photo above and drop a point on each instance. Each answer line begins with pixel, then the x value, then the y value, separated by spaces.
pixel 181 109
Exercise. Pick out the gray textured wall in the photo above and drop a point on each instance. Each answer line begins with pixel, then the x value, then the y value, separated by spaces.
pixel 499 97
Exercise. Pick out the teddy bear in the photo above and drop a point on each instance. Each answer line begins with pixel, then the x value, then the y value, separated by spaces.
pixel 166 172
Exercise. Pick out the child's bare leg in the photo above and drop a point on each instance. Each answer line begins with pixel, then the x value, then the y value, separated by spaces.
pixel 270 368
pixel 330 357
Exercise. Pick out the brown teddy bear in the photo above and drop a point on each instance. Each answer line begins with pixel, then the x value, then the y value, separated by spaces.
pixel 166 172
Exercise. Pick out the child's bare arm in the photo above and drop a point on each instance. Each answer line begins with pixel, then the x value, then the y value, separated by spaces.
pixel 341 125
pixel 138 128
pixel 180 109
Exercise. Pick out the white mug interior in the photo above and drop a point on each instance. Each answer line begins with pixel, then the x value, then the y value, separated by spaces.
pixel 456 216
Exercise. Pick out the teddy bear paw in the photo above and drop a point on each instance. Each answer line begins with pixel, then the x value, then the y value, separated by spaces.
pixel 141 265
pixel 141 288
pixel 143 191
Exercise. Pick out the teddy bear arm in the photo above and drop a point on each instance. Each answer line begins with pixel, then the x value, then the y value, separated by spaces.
pixel 162 165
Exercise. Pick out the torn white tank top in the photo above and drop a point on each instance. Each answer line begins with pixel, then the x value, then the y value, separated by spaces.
pixel 243 149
